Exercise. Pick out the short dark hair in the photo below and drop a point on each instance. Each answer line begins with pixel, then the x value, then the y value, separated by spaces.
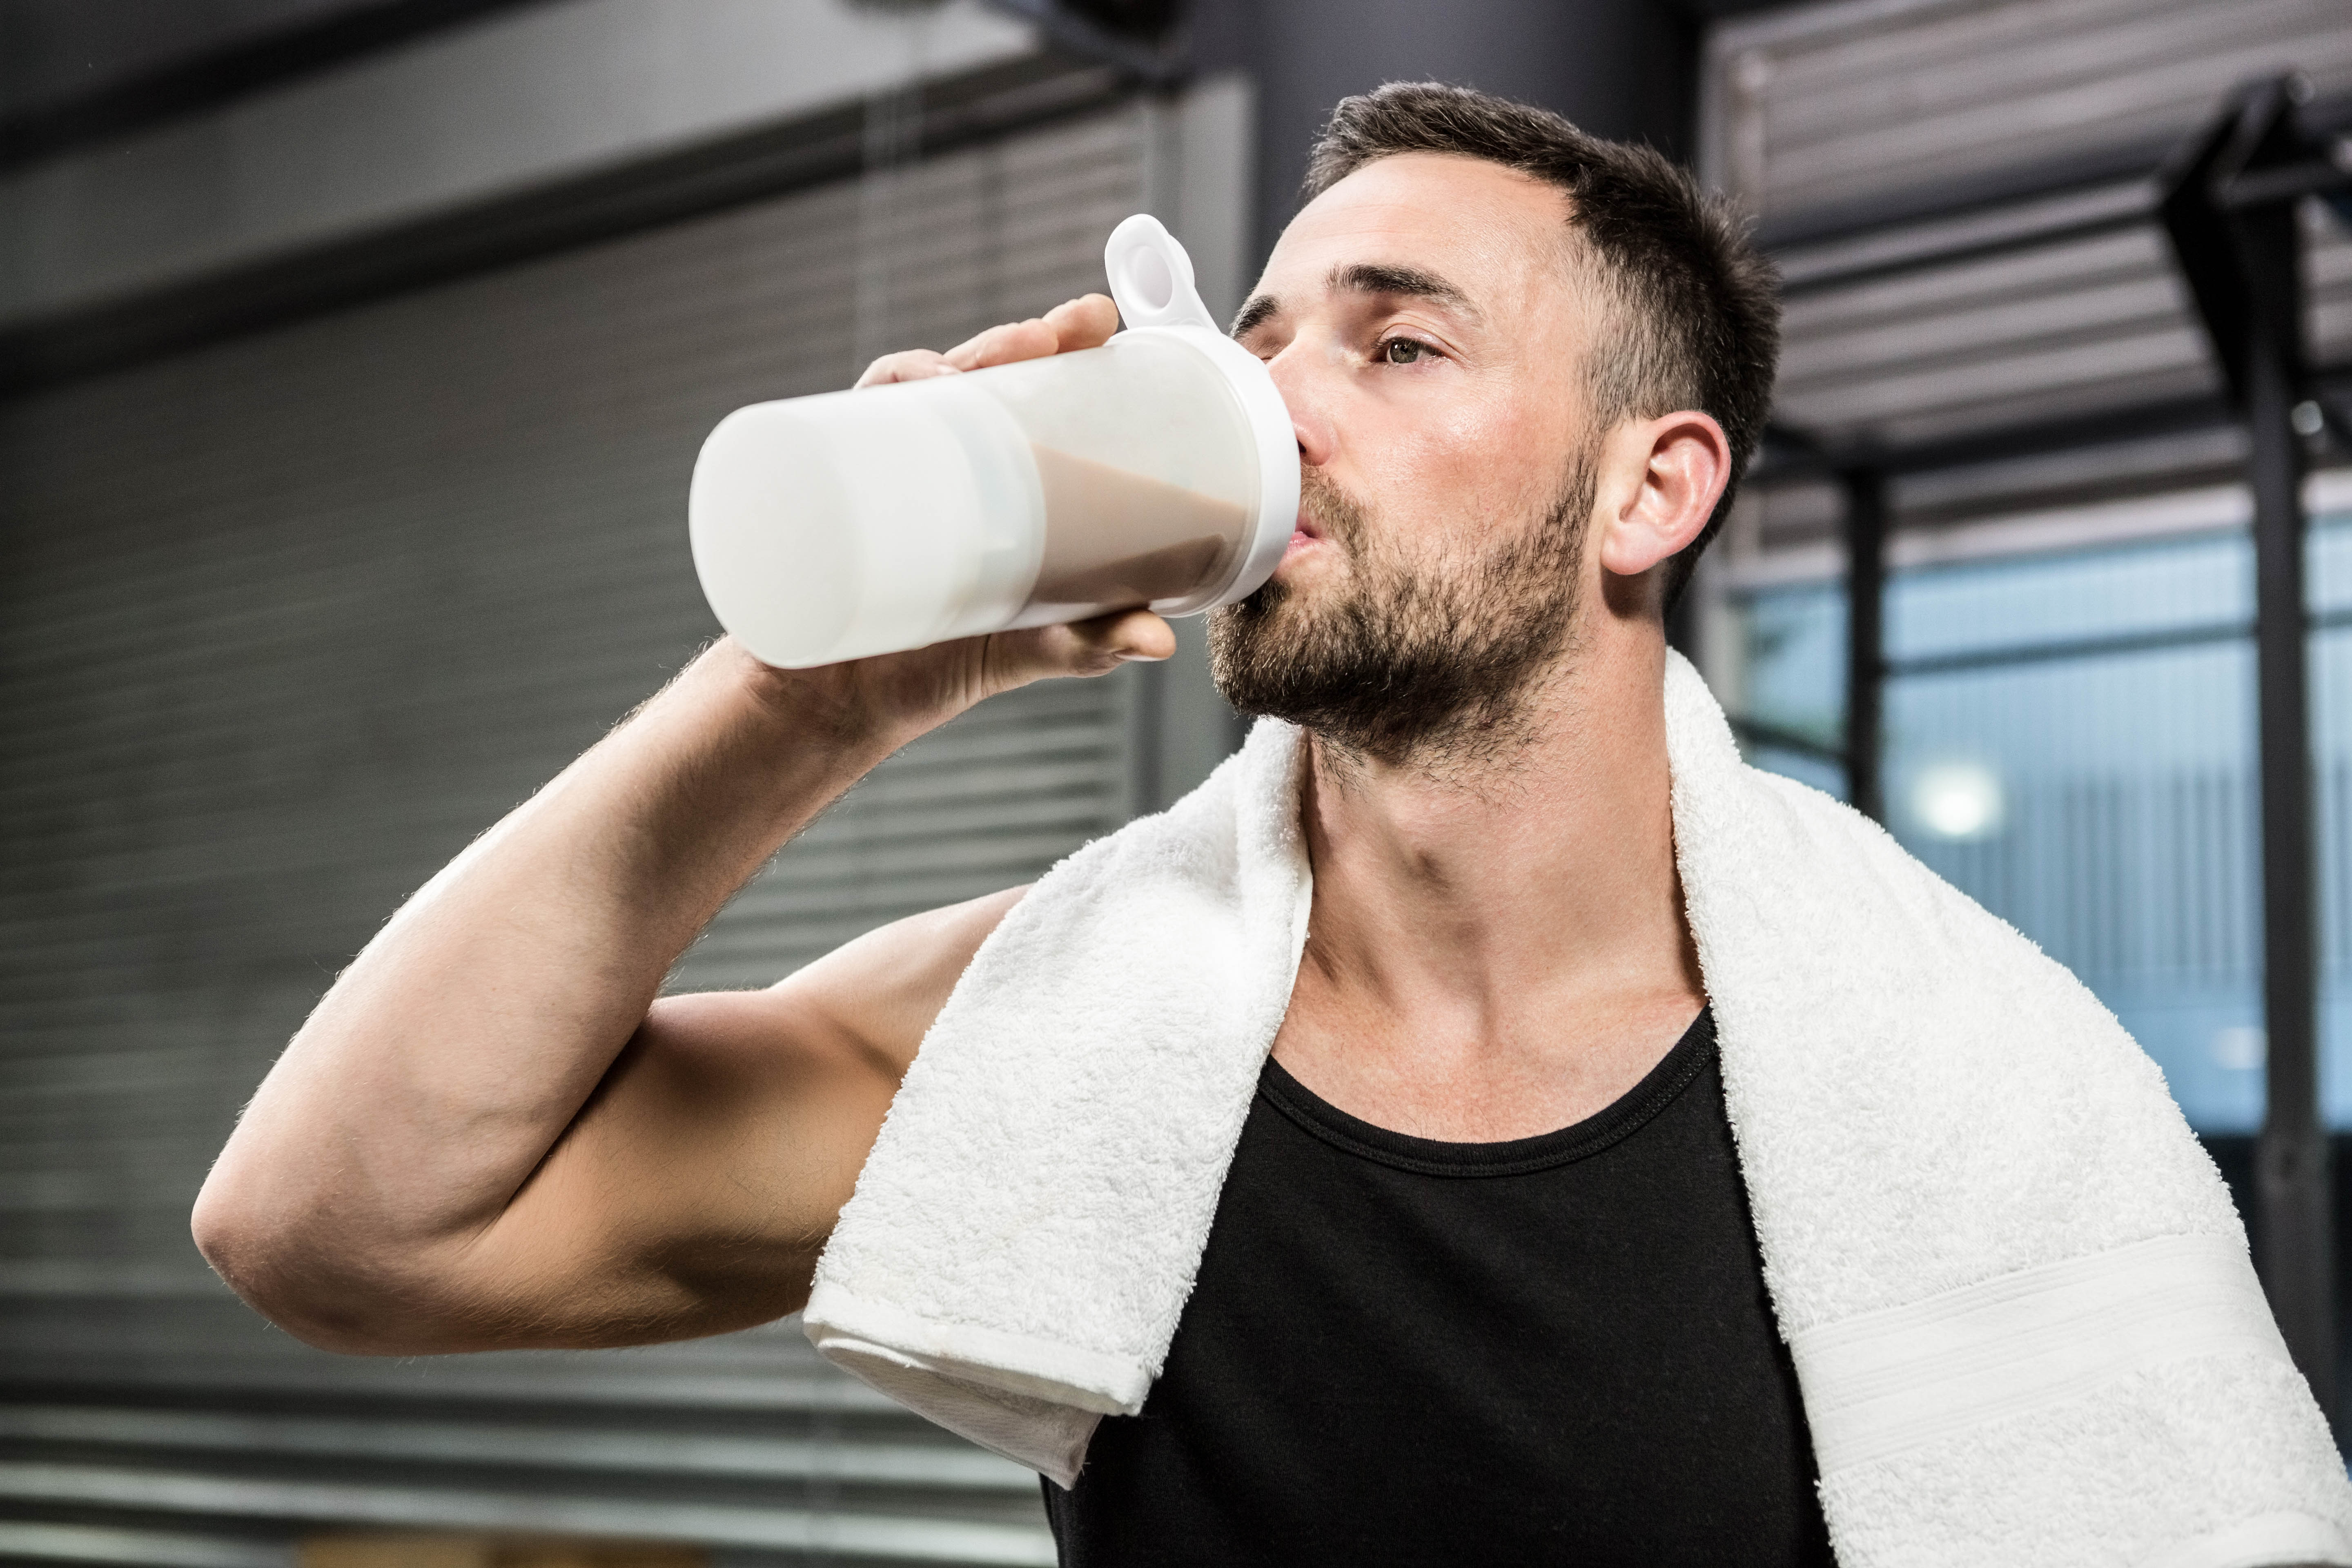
pixel 1701 305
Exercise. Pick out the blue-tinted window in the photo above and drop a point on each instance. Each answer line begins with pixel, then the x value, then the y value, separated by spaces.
pixel 2071 740
pixel 1791 712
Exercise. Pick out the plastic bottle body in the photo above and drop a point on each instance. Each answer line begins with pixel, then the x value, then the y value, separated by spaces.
pixel 1047 491
pixel 1159 471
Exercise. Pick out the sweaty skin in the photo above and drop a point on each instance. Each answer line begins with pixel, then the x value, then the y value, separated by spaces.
pixel 493 1133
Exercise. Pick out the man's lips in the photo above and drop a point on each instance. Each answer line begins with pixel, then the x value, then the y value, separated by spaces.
pixel 1303 534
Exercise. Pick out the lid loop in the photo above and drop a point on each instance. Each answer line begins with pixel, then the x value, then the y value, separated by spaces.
pixel 1151 278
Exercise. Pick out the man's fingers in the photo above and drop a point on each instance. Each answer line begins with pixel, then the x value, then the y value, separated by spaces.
pixel 1013 341
pixel 1124 635
pixel 1086 322
pixel 908 365
pixel 1082 323
pixel 1089 647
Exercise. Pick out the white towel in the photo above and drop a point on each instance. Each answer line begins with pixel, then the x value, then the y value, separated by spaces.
pixel 2018 1297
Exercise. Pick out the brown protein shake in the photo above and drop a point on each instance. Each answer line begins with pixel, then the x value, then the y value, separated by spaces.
pixel 1115 540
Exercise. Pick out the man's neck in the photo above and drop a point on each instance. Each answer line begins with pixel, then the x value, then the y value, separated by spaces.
pixel 1499 950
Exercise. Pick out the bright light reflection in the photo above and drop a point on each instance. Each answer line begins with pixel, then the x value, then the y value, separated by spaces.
pixel 2241 1047
pixel 1958 800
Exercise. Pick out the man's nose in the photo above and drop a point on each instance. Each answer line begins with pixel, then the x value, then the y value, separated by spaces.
pixel 1296 376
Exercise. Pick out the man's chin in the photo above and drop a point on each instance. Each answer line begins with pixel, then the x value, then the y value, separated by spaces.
pixel 1273 620
pixel 1262 649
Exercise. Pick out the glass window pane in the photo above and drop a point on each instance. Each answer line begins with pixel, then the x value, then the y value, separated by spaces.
pixel 1789 713
pixel 2103 799
pixel 2132 591
pixel 2328 566
pixel 2101 803
pixel 2104 806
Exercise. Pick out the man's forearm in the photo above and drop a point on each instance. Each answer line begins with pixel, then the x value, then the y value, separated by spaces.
pixel 447 1058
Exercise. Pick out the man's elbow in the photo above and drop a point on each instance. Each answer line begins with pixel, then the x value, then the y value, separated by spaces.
pixel 318 1287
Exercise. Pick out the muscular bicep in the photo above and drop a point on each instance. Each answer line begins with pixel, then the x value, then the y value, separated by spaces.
pixel 695 1190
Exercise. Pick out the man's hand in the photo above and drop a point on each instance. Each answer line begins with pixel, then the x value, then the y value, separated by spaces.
pixel 923 689
pixel 490 1134
pixel 1086 322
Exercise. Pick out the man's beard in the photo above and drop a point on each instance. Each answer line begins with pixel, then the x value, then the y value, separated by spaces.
pixel 1428 663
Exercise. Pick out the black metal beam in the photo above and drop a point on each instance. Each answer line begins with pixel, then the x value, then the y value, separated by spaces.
pixel 2268 187
pixel 2242 261
pixel 1780 737
pixel 2300 1265
pixel 2069 650
pixel 1865 638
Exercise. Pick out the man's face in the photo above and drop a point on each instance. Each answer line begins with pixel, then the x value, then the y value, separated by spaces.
pixel 1424 322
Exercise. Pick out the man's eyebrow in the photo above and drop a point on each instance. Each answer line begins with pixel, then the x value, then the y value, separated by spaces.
pixel 1365 278
pixel 1254 313
pixel 1372 277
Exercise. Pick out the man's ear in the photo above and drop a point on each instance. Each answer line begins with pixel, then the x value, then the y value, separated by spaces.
pixel 1681 463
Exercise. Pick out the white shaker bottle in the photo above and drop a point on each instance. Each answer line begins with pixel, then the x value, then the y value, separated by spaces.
pixel 1158 469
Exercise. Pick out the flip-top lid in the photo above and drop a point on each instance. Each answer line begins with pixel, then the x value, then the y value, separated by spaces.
pixel 1151 281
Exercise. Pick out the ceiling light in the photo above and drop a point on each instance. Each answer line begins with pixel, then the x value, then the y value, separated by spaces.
pixel 1958 800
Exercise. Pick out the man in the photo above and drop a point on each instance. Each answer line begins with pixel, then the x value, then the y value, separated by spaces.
pixel 1483 1282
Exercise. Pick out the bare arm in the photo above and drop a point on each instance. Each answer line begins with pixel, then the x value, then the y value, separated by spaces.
pixel 490 1134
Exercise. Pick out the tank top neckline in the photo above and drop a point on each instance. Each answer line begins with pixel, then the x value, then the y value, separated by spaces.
pixel 1613 1123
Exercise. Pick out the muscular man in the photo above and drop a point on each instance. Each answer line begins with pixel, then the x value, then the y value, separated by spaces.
pixel 1481 1283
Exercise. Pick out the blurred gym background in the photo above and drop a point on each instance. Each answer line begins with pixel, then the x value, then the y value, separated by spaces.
pixel 354 356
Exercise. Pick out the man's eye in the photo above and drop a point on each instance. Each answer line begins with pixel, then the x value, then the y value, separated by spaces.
pixel 1401 350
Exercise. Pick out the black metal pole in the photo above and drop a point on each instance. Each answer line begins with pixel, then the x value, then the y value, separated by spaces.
pixel 1865 640
pixel 2231 214
pixel 2298 1263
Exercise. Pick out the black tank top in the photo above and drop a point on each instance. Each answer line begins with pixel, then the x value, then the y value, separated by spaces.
pixel 1555 1349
